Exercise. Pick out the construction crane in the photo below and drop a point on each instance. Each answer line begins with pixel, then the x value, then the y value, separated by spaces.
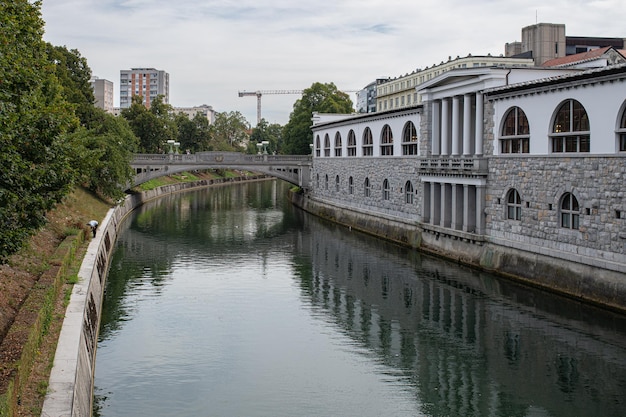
pixel 259 93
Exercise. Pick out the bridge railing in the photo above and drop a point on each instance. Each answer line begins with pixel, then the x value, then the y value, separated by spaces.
pixel 224 158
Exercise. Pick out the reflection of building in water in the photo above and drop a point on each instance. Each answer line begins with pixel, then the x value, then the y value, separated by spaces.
pixel 458 335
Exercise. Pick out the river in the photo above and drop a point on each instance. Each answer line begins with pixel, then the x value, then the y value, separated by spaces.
pixel 228 301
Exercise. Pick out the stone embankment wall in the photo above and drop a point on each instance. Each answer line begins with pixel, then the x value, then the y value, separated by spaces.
pixel 70 388
pixel 598 286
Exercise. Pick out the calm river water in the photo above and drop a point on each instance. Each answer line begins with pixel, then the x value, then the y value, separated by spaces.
pixel 231 302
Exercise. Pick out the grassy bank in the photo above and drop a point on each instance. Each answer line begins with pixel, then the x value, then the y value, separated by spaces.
pixel 34 286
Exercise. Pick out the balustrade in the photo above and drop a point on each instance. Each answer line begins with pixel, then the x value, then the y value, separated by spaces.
pixel 458 165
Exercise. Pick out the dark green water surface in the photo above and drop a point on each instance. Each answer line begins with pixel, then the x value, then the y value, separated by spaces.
pixel 230 302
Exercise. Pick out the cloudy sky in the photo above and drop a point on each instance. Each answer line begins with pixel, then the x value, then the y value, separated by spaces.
pixel 214 48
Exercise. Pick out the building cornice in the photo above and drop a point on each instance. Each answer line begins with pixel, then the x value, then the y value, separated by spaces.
pixel 595 76
pixel 366 117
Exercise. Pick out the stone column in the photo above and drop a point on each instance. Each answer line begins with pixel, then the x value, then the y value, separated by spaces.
pixel 434 204
pixel 480 209
pixel 458 221
pixel 436 132
pixel 466 217
pixel 446 207
pixel 467 125
pixel 479 124
pixel 456 121
pixel 445 127
pixel 455 202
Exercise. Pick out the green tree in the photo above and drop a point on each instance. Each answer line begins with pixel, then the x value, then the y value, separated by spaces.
pixel 73 73
pixel 103 145
pixel 154 126
pixel 321 98
pixel 35 154
pixel 193 134
pixel 104 150
pixel 272 133
pixel 230 131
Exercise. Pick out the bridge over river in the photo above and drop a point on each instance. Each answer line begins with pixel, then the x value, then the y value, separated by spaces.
pixel 295 169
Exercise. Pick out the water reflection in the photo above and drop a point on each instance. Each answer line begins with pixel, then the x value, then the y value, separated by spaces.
pixel 444 340
pixel 472 344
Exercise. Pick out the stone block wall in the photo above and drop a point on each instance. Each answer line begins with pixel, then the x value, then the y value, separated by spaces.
pixel 596 182
pixel 397 170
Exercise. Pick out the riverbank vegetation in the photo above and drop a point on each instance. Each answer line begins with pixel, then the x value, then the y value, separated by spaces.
pixel 63 160
pixel 53 137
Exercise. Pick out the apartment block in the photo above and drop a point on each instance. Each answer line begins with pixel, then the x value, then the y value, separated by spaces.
pixel 146 82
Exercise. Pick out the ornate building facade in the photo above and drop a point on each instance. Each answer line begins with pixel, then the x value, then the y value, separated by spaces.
pixel 516 170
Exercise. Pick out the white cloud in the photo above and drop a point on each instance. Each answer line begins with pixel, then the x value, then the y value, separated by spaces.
pixel 212 49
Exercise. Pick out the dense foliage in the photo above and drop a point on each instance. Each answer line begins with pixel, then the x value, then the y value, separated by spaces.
pixel 35 119
pixel 194 134
pixel 51 135
pixel 230 132
pixel 265 132
pixel 321 98
pixel 153 126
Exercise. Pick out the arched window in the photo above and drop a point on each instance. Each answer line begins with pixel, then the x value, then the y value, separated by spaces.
pixel 386 141
pixel 366 187
pixel 326 182
pixel 408 192
pixel 570 132
pixel 621 133
pixel 351 143
pixel 337 183
pixel 570 211
pixel 337 144
pixel 386 190
pixel 513 205
pixel 368 142
pixel 515 135
pixel 326 145
pixel 350 185
pixel 317 145
pixel 409 139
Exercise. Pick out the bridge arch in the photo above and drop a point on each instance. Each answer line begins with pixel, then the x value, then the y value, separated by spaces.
pixel 295 169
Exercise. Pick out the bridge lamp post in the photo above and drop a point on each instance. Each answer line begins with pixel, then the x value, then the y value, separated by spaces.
pixel 171 143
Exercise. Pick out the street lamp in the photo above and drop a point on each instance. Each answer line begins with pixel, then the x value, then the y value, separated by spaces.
pixel 171 143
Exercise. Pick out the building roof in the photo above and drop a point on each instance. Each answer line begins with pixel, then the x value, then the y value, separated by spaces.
pixel 582 57
pixel 618 70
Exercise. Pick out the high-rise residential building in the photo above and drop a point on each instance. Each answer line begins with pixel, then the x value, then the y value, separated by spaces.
pixel 146 82
pixel 103 93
